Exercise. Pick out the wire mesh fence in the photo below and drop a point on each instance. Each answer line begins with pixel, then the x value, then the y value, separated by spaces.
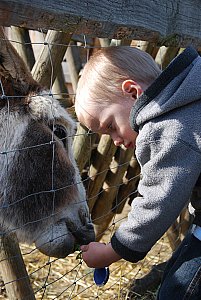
pixel 109 174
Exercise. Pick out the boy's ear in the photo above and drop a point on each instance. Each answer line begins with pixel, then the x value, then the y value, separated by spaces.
pixel 131 87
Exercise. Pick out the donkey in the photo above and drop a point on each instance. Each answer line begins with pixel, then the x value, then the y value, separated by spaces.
pixel 42 197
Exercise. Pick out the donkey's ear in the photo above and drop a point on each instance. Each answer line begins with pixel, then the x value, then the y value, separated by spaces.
pixel 14 75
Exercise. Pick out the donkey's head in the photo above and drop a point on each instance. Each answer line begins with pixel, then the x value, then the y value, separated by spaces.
pixel 42 197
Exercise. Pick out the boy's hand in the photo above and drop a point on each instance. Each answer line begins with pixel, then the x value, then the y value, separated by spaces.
pixel 99 255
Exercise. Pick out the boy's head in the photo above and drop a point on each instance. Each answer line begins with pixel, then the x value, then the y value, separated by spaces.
pixel 111 81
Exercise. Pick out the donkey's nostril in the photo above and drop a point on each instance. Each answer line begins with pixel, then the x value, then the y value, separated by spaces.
pixel 89 226
pixel 84 217
pixel 83 234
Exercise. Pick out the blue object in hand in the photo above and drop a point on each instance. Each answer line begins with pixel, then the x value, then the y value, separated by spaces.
pixel 101 276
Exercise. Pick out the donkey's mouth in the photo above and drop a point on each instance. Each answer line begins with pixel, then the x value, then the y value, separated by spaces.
pixel 60 239
pixel 56 241
pixel 84 234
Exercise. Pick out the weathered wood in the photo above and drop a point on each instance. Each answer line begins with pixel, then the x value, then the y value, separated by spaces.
pixel 21 41
pixel 165 55
pixel 13 270
pixel 99 166
pixel 60 90
pixel 74 64
pixel 148 47
pixel 82 146
pixel 122 42
pixel 173 235
pixel 81 38
pixel 129 187
pixel 104 42
pixel 46 67
pixel 102 213
pixel 170 23
pixel 22 44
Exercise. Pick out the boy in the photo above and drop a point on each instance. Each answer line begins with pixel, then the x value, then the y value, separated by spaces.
pixel 123 93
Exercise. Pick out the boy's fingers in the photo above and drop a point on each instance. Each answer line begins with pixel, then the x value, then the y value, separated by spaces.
pixel 84 248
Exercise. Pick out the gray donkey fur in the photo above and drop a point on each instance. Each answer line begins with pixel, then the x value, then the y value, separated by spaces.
pixel 42 197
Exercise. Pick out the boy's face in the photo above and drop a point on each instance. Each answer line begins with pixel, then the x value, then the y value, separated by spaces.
pixel 112 119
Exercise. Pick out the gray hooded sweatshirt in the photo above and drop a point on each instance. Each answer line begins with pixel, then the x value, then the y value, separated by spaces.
pixel 168 148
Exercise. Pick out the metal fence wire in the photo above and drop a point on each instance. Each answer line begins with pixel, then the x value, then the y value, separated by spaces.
pixel 109 174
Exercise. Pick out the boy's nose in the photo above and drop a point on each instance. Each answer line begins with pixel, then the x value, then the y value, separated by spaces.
pixel 117 143
pixel 117 140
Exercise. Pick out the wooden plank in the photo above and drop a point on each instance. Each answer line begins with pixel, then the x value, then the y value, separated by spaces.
pixel 23 45
pixel 128 190
pixel 100 162
pixel 170 23
pixel 74 64
pixel 13 270
pixel 165 55
pixel 49 61
pixel 102 212
pixel 82 146
pixel 60 90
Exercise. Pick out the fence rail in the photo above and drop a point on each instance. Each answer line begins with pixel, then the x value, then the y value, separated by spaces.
pixel 110 174
pixel 170 23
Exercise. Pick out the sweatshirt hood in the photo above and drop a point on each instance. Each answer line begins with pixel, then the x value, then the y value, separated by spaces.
pixel 177 86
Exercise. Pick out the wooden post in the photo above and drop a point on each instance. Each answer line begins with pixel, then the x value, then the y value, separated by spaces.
pixel 60 90
pixel 23 45
pixel 165 55
pixel 13 270
pixel 74 64
pixel 99 166
pixel 150 48
pixel 104 42
pixel 102 213
pixel 175 24
pixel 82 146
pixel 49 61
pixel 128 190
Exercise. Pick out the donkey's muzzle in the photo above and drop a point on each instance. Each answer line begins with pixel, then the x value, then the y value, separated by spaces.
pixel 85 234
pixel 58 240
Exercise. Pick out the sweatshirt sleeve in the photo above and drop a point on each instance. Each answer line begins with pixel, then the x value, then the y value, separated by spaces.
pixel 169 170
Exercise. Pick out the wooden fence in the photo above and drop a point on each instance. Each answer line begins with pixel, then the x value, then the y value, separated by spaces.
pixel 110 173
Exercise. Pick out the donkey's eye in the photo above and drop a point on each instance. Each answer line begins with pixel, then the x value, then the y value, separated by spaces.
pixel 60 132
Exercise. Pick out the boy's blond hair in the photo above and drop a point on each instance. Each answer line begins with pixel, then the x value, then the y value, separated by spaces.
pixel 109 67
